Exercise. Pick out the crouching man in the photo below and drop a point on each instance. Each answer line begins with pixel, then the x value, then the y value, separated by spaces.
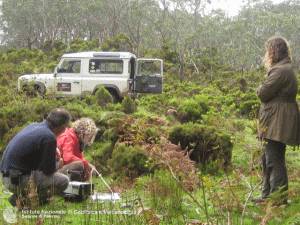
pixel 29 161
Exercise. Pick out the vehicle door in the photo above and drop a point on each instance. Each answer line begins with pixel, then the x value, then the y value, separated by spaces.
pixel 68 78
pixel 149 76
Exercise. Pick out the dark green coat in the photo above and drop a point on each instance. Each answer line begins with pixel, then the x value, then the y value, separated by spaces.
pixel 279 113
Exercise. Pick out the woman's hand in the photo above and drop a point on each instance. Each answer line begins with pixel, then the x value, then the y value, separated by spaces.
pixel 91 167
pixel 88 172
pixel 58 155
pixel 59 160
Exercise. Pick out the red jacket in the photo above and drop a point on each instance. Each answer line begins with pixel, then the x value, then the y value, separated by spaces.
pixel 68 144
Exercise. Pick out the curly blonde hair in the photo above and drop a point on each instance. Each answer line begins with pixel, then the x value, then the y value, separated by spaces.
pixel 85 129
pixel 277 48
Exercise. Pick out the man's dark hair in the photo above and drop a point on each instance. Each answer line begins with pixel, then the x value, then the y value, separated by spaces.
pixel 58 117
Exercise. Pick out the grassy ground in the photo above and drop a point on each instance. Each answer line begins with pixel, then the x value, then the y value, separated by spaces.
pixel 223 197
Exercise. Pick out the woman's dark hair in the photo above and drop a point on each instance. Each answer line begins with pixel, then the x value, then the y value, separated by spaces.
pixel 58 117
pixel 277 49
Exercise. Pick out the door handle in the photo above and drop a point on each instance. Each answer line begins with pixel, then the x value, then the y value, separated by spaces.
pixel 76 82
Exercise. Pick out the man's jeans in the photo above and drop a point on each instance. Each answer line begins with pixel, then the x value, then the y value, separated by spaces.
pixel 45 185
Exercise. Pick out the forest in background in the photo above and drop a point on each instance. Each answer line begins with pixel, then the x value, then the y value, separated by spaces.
pixel 198 40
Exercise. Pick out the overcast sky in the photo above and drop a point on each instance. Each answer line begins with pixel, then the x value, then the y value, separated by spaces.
pixel 231 7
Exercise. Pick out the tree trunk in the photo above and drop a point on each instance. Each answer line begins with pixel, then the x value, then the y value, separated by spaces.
pixel 181 62
pixel 29 43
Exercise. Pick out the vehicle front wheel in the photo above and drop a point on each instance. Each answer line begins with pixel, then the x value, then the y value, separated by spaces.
pixel 39 90
pixel 34 90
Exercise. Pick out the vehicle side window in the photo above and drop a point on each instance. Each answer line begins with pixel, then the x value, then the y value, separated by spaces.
pixel 70 66
pixel 103 66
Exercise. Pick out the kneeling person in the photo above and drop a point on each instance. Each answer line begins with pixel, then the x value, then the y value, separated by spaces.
pixel 30 157
pixel 71 144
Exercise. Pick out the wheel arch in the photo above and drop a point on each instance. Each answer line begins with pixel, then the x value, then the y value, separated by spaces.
pixel 38 85
pixel 109 87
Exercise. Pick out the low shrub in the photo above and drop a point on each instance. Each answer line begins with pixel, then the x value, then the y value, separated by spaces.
pixel 250 108
pixel 237 125
pixel 129 161
pixel 191 110
pixel 4 81
pixel 114 106
pixel 3 126
pixel 103 96
pixel 91 100
pixel 128 105
pixel 108 117
pixel 249 105
pixel 12 133
pixel 208 143
pixel 126 129
pixel 101 153
pixel 151 134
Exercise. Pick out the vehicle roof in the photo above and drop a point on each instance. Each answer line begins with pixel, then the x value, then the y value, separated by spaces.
pixel 96 54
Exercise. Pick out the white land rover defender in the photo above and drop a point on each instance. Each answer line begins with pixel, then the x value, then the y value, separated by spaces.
pixel 121 73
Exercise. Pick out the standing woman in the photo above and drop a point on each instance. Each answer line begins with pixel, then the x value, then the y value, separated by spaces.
pixel 279 115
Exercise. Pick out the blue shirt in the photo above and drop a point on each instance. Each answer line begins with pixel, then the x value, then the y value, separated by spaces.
pixel 34 148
